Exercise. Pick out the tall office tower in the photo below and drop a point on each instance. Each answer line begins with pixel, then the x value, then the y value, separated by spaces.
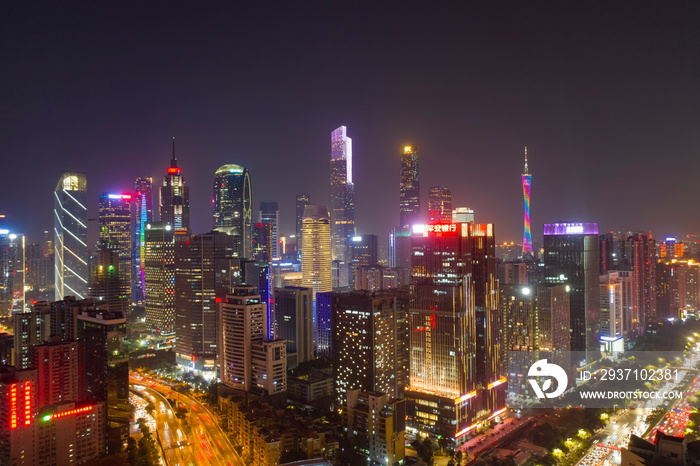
pixel 198 263
pixel 247 360
pixel 39 279
pixel 70 240
pixel 232 206
pixel 553 304
pixel 611 313
pixel 116 231
pixel 294 319
pixel 60 367
pixel 462 215
pixel 571 256
pixel 159 257
pixel 107 369
pixel 377 424
pixel 12 272
pixel 400 254
pixel 316 255
pixel 342 193
pixel 439 205
pixel 527 234
pixel 143 214
pixel 302 201
pixel 631 319
pixel 455 378
pixel 323 318
pixel 513 273
pixel 175 201
pixel 262 242
pixel 48 242
pixel 109 288
pixel 270 213
pixel 363 251
pixel 641 256
pixel 608 253
pixel 365 343
pixel 409 195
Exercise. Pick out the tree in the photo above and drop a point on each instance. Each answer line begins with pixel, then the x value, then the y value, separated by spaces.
pixel 132 450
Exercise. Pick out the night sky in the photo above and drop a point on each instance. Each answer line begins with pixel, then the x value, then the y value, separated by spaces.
pixel 606 96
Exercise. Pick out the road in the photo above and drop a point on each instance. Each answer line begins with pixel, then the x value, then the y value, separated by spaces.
pixel 198 439
pixel 615 435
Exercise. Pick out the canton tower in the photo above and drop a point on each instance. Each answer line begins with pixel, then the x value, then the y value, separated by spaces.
pixel 527 235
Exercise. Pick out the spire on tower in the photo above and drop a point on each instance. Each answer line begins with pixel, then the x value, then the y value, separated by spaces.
pixel 173 162
pixel 526 172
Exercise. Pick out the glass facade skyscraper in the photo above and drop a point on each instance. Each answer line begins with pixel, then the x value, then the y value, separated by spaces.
pixel 143 214
pixel 302 201
pixel 527 234
pixel 440 204
pixel 270 213
pixel 316 256
pixel 70 236
pixel 342 193
pixel 232 206
pixel 409 195
pixel 175 200
pixel 116 232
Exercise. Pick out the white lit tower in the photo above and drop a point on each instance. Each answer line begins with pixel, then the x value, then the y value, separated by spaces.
pixel 342 193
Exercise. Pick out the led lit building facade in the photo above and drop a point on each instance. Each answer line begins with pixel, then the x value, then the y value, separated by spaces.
pixel 232 200
pixel 439 205
pixel 159 257
pixel 270 213
pixel 70 236
pixel 456 378
pixel 572 257
pixel 175 200
pixel 143 214
pixel 198 263
pixel 116 231
pixel 342 193
pixel 323 319
pixel 316 255
pixel 409 193
pixel 527 233
pixel 612 331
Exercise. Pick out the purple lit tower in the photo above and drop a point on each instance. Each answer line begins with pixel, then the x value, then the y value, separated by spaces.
pixel 527 235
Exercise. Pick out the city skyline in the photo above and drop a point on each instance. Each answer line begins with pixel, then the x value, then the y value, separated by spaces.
pixel 469 125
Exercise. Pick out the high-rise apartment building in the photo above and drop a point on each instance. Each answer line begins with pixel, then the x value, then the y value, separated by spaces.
pixel 39 268
pixel 116 231
pixel 316 255
pixel 232 206
pixel 247 359
pixel 294 319
pixel 60 367
pixel 456 379
pixel 612 309
pixel 70 236
pixel 302 200
pixel 571 257
pixel 143 214
pixel 159 257
pixel 439 205
pixel 270 213
pixel 409 193
pixel 342 193
pixel 527 233
pixel 198 264
pixel 175 200
pixel 365 343
pixel 640 255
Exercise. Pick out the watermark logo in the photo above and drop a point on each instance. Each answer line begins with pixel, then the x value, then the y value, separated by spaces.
pixel 542 368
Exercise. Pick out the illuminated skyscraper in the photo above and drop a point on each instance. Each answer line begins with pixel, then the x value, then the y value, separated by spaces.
pixel 527 235
pixel 342 193
pixel 116 231
pixel 12 272
pixel 409 196
pixel 109 285
pixel 232 206
pixel 440 204
pixel 143 214
pixel 316 256
pixel 70 229
pixel 302 201
pixel 571 257
pixel 270 213
pixel 175 200
pixel 456 379
pixel 159 257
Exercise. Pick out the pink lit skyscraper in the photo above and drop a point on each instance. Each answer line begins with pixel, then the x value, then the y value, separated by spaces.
pixel 527 235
